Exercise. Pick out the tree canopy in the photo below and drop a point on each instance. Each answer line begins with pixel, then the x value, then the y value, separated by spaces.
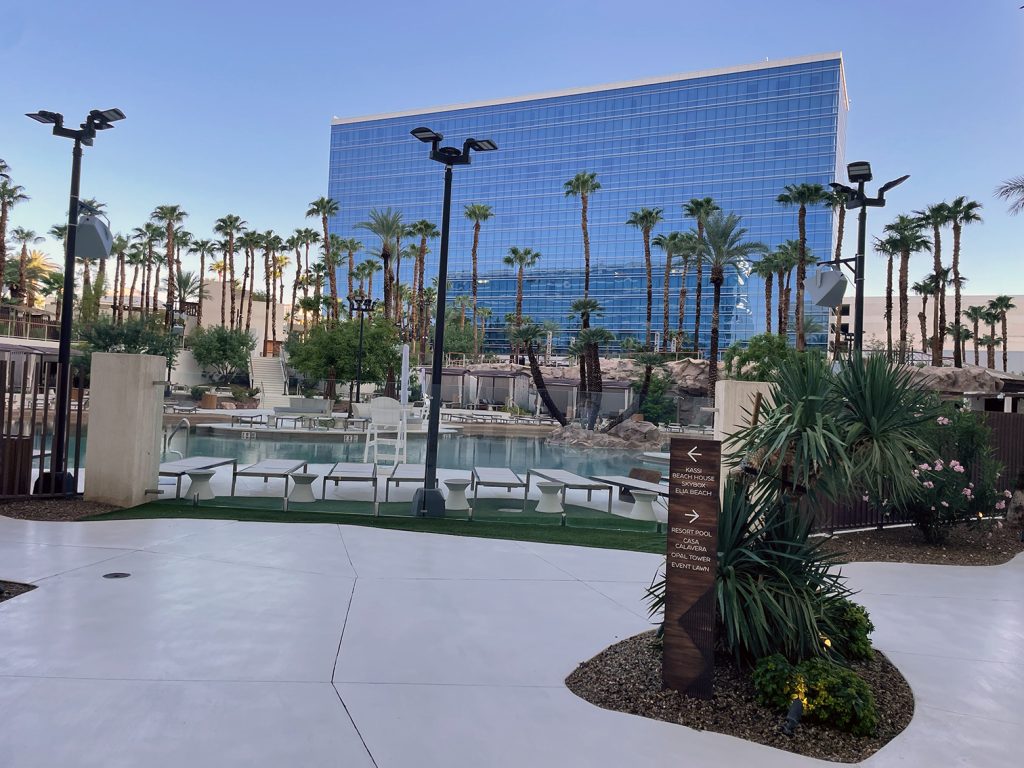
pixel 222 351
pixel 332 352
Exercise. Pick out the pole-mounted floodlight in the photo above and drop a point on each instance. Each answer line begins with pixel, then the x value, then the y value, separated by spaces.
pixel 428 500
pixel 360 305
pixel 57 480
pixel 860 174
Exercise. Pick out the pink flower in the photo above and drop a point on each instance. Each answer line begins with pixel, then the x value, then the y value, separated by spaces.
pixel 915 473
pixel 865 498
pixel 959 468
pixel 1007 494
pixel 943 421
pixel 944 503
pixel 925 467
pixel 929 484
pixel 967 492
pixel 938 465
pixel 1000 505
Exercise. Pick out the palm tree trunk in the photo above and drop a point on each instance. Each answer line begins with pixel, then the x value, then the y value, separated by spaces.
pixel 155 303
pixel 904 302
pixel 115 305
pixel 636 405
pixel 1005 336
pixel 841 228
pixel 664 302
pixel 519 296
pixel 650 286
pixel 202 288
pixel 231 277
pixel 584 204
pixel 924 328
pixel 476 243
pixel 768 304
pixel 595 386
pixel 977 356
pixel 385 257
pixel 888 307
pixel 266 309
pixel 699 291
pixel 542 390
pixel 716 281
pixel 801 275
pixel 273 297
pixel 781 312
pixel 248 278
pixel 957 361
pixel 351 269
pixel 682 302
pixel 295 288
pixel 169 313
pixel 223 295
pixel 131 293
pixel 938 322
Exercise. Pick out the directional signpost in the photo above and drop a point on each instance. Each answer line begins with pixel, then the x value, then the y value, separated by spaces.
pixel 690 565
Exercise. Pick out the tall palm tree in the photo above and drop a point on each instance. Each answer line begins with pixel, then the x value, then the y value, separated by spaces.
pixel 136 259
pixel 366 270
pixel 24 237
pixel 229 227
pixel 204 248
pixel 976 314
pixel 10 196
pixel 250 242
pixel 149 235
pixel 170 216
pixel 119 249
pixel 426 230
pixel 905 236
pixel 323 208
pixel 645 220
pixel 961 213
pixel 1012 190
pixel 478 213
pixel 386 225
pixel 672 244
pixel 765 269
pixel 887 247
pixel 785 259
pixel 936 216
pixel 483 315
pixel 38 268
pixel 837 202
pixel 699 209
pixel 294 243
pixel 520 259
pixel 725 248
pixel 350 246
pixel 332 261
pixel 527 336
pixel 583 185
pixel 960 335
pixel 801 195
pixel 1000 306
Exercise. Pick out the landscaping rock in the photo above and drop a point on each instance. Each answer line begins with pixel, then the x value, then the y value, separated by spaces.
pixel 629 435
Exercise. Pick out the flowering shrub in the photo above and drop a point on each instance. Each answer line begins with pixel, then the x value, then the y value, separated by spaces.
pixel 948 496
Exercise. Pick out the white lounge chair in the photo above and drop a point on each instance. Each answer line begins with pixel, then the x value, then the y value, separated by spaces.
pixel 570 481
pixel 269 468
pixel 347 472
pixel 181 467
pixel 498 477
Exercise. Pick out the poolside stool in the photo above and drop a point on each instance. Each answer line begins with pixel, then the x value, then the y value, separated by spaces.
pixel 643 505
pixel 302 490
pixel 200 484
pixel 456 501
pixel 549 501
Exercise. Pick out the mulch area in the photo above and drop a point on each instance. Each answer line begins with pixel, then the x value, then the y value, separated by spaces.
pixel 62 510
pixel 989 542
pixel 9 589
pixel 626 677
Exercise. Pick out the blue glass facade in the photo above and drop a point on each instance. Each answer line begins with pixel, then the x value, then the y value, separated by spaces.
pixel 738 135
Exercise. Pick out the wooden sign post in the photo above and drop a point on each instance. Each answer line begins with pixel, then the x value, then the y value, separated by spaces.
pixel 690 566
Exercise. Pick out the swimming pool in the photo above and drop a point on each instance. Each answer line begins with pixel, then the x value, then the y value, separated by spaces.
pixel 454 451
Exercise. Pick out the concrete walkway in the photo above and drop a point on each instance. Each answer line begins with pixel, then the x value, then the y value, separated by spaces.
pixel 250 645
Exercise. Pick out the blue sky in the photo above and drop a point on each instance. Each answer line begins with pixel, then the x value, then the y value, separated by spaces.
pixel 229 102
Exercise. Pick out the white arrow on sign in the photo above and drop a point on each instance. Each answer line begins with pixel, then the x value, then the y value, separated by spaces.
pixel 693 515
pixel 693 456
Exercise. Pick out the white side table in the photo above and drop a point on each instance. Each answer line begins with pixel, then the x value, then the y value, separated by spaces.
pixel 549 502
pixel 456 501
pixel 643 505
pixel 200 484
pixel 302 488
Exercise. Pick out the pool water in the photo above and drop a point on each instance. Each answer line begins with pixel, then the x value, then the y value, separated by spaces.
pixel 453 452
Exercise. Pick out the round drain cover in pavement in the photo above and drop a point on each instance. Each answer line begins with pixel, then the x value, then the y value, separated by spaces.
pixel 116 575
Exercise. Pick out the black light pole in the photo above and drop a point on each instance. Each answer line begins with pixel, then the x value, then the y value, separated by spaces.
pixel 860 174
pixel 428 500
pixel 362 305
pixel 97 120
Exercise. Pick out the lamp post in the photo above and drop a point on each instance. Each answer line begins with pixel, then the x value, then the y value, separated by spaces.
pixel 428 500
pixel 362 305
pixel 860 174
pixel 97 120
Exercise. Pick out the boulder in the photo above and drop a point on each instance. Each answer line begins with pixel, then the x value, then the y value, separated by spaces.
pixel 629 435
pixel 970 378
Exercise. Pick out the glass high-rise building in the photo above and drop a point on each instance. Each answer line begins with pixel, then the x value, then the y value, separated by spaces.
pixel 737 134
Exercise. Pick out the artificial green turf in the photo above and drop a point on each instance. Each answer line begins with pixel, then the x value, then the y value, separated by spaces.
pixel 493 518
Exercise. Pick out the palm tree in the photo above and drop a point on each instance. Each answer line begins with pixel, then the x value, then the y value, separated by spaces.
pixel 583 185
pixel 591 339
pixel 990 341
pixel 149 234
pixel 904 235
pixel 961 213
pixel 924 289
pixel 426 230
pixel 119 249
pixel 250 242
pixel 888 248
pixel 37 270
pixel 170 216
pixel 527 336
pixel 10 196
pixel 645 220
pixel 331 261
pixel 801 195
pixel 1012 190
pixel 204 248
pixel 366 271
pixel 24 237
pixel 725 248
pixel 785 259
pixel 351 246
pixel 477 213
pixel 182 241
pixel 483 315
pixel 5 170
pixel 230 227
pixel 976 314
pixel 936 216
pixel 765 269
pixel 520 259
pixel 960 334
pixel 294 243
pixel 323 208
pixel 1000 306
pixel 461 304
pixel 386 225
pixel 52 284
pixel 699 209
pixel 672 244
pixel 188 286
pixel 136 259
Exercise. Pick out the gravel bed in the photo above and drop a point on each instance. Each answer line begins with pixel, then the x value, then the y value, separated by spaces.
pixel 62 510
pixel 626 677
pixel 9 589
pixel 985 543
